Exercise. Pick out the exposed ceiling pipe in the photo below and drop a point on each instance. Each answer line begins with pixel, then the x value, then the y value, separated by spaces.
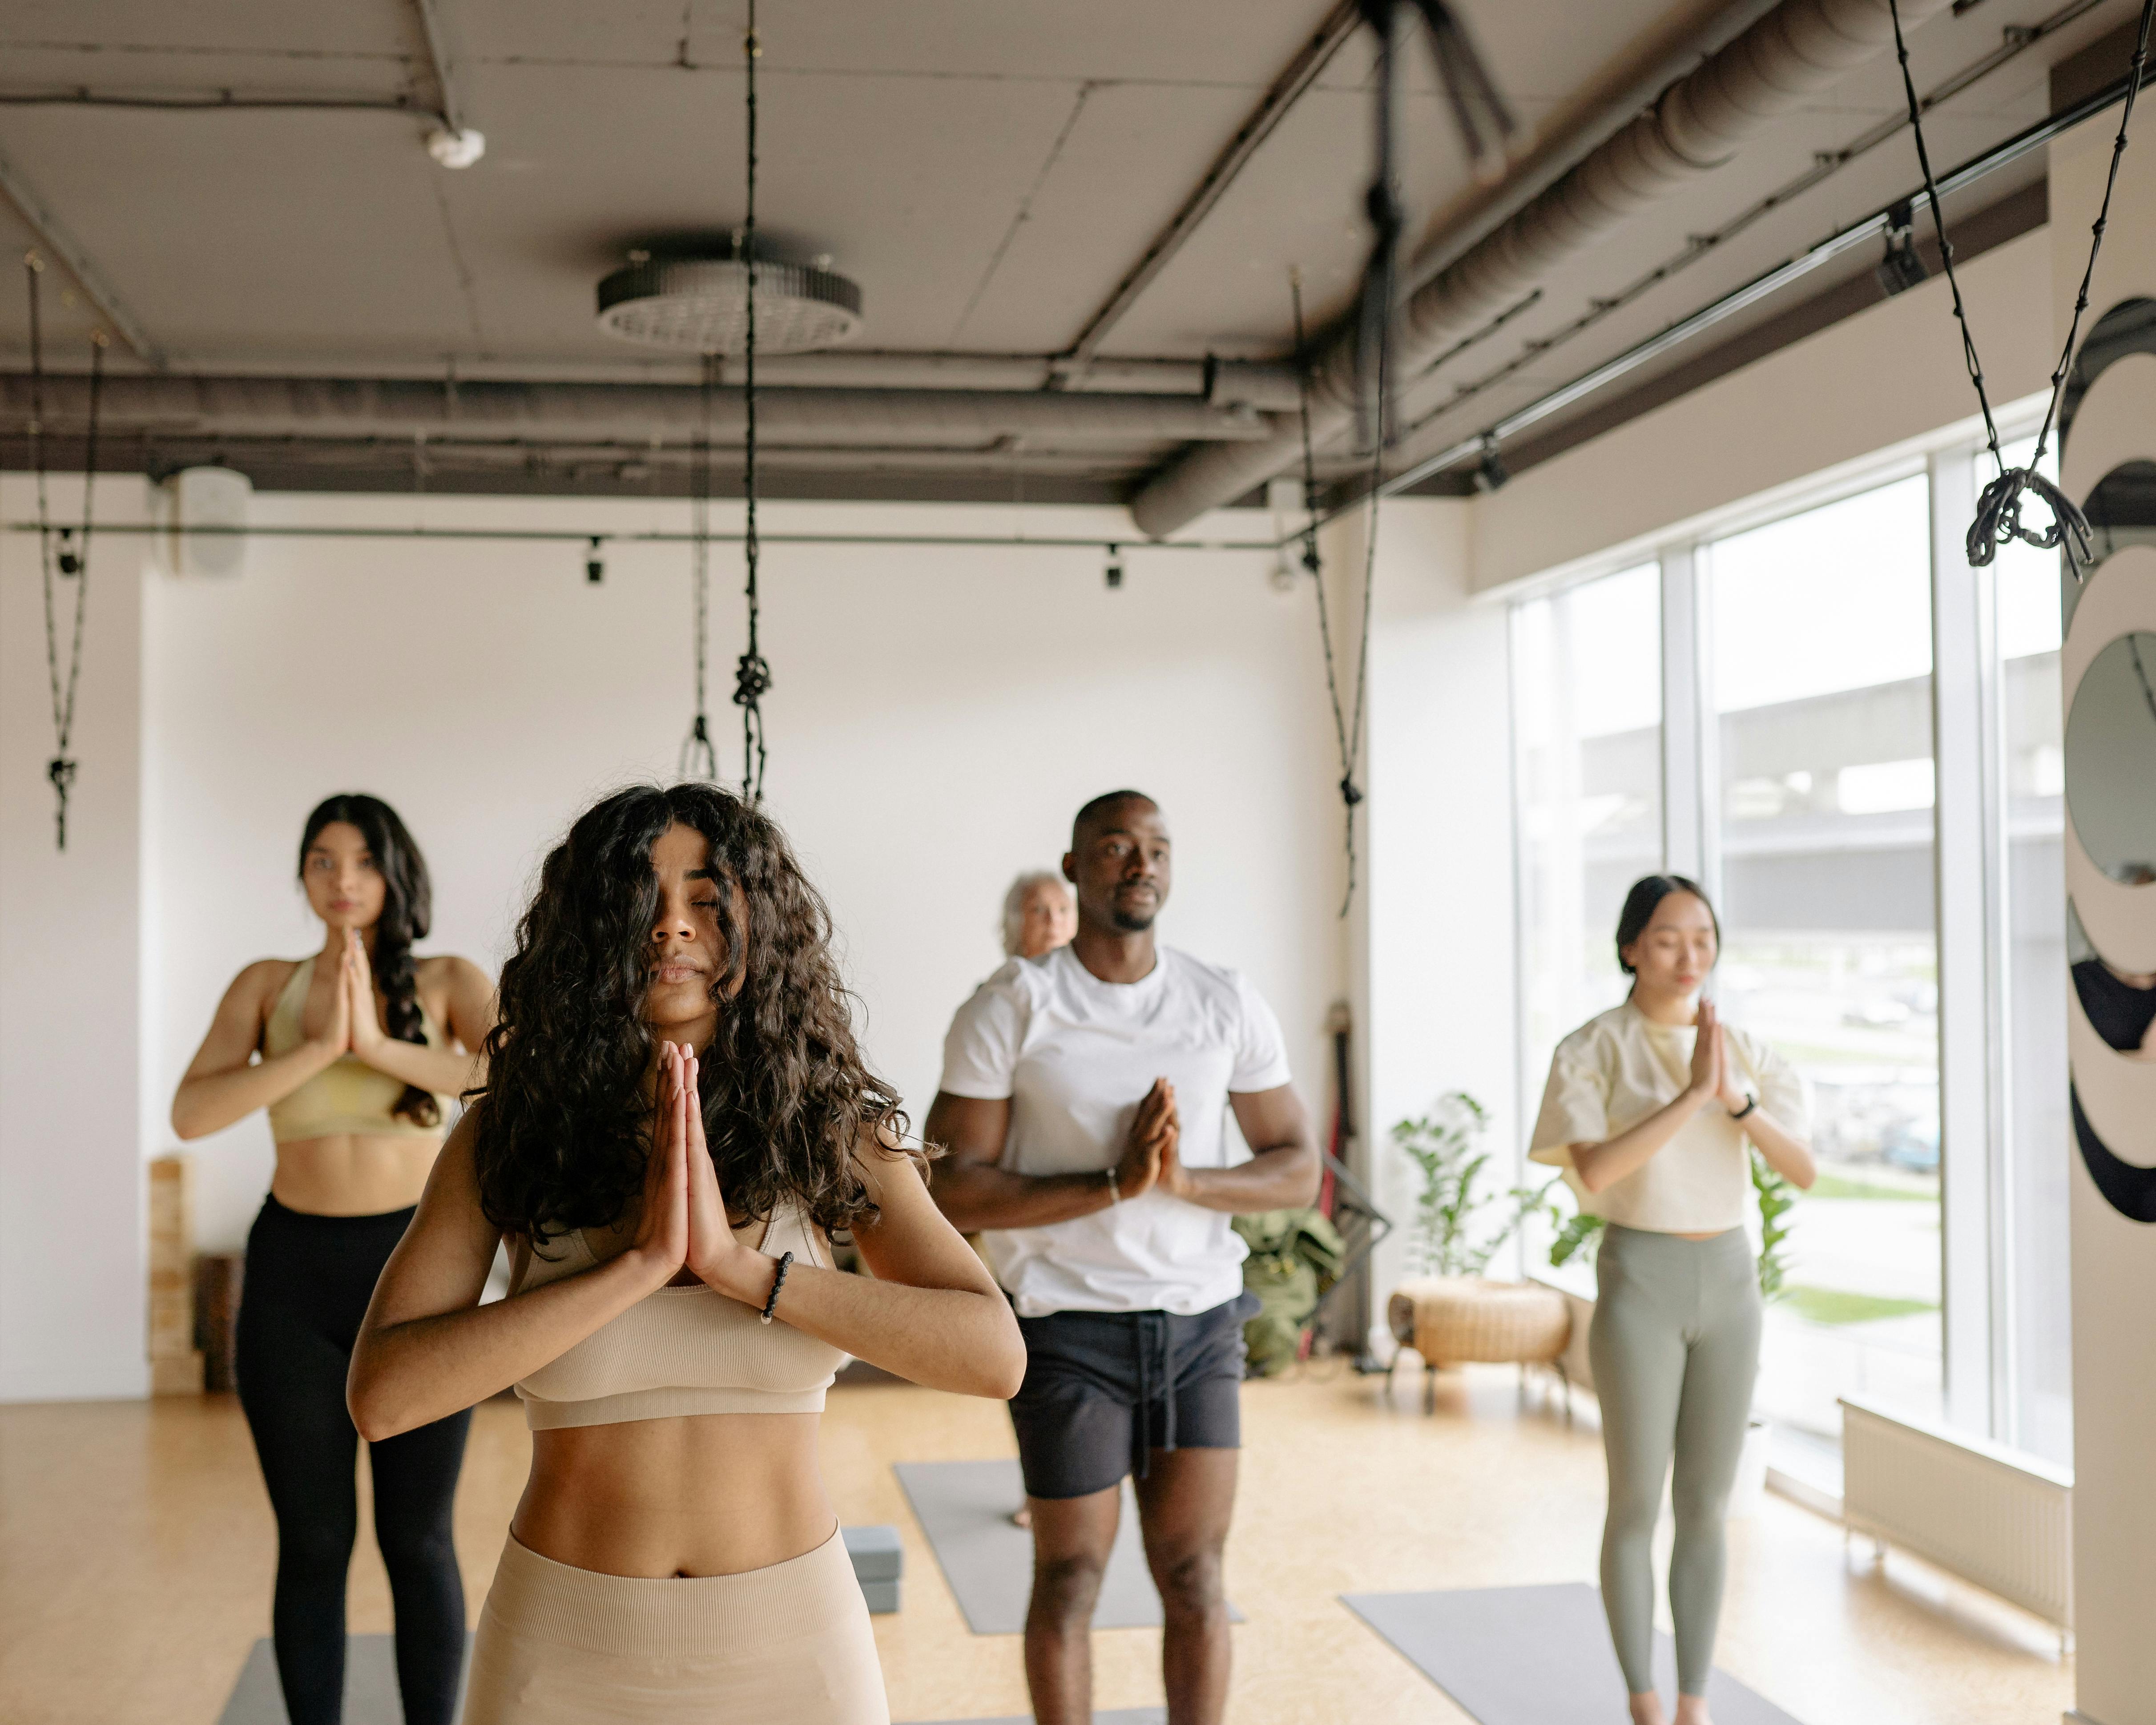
pixel 1697 125
pixel 628 460
pixel 54 235
pixel 1679 41
pixel 1301 73
pixel 1268 385
pixel 346 408
pixel 434 33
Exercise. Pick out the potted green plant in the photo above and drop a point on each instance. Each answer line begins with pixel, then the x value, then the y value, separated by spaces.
pixel 1451 1313
pixel 1579 1233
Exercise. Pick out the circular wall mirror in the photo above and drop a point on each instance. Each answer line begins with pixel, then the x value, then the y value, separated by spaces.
pixel 2111 759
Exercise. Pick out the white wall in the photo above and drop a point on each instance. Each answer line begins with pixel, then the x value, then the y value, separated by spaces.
pixel 72 1293
pixel 937 714
pixel 1432 948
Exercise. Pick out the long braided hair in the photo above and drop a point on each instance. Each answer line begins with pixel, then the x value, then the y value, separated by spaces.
pixel 563 1126
pixel 408 910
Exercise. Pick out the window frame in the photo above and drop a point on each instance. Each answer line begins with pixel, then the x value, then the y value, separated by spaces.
pixel 1970 858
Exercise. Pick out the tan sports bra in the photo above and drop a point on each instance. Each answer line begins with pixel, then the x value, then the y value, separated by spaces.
pixel 347 1097
pixel 680 1351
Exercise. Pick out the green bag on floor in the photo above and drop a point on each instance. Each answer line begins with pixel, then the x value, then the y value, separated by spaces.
pixel 1295 1256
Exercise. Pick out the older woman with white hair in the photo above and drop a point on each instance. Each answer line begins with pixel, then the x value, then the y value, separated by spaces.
pixel 1039 915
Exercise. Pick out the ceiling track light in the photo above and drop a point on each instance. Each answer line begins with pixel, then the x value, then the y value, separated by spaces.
pixel 1900 269
pixel 1491 472
pixel 594 563
pixel 1115 568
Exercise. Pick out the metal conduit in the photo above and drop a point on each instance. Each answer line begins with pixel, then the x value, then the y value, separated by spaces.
pixel 1699 123
pixel 344 408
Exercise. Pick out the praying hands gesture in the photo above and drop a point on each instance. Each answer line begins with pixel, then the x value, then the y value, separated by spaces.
pixel 1149 1146
pixel 355 1025
pixel 1714 1062
pixel 683 1224
pixel 356 1013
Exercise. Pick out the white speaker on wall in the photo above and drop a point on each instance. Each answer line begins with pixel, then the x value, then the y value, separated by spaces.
pixel 204 514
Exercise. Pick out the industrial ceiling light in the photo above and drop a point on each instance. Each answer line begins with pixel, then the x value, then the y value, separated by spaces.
pixel 695 298
pixel 454 146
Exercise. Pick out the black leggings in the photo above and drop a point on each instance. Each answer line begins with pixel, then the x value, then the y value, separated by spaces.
pixel 309 1279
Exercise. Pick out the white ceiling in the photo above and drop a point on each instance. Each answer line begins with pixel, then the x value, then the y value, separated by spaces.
pixel 987 171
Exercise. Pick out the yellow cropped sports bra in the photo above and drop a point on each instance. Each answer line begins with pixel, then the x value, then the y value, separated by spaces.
pixel 346 1097
pixel 686 1350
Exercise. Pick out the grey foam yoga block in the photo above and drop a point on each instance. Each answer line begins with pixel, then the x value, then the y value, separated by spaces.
pixel 876 1552
pixel 879 1562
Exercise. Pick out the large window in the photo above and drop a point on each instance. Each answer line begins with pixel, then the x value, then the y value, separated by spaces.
pixel 1588 730
pixel 2038 1406
pixel 1821 659
pixel 1761 706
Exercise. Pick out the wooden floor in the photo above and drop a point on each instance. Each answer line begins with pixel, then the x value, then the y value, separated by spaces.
pixel 135 1548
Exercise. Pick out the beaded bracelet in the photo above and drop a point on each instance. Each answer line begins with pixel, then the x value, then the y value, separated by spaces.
pixel 778 1281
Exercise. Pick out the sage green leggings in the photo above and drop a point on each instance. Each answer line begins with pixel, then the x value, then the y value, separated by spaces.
pixel 1674 1347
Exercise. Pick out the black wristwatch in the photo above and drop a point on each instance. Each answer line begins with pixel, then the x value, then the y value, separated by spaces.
pixel 1750 1103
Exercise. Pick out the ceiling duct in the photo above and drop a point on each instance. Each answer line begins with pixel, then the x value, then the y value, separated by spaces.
pixel 404 408
pixel 1699 122
pixel 695 299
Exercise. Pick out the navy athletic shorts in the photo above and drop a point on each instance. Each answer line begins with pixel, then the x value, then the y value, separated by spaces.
pixel 1103 1390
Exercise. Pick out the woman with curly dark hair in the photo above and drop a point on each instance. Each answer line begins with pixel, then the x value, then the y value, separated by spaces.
pixel 357 1052
pixel 676 1121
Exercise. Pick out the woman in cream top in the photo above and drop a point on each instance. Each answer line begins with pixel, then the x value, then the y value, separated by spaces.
pixel 358 1052
pixel 677 1117
pixel 1623 1068
pixel 1653 1110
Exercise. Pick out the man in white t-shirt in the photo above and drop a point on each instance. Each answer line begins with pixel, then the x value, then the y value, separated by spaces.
pixel 1084 1106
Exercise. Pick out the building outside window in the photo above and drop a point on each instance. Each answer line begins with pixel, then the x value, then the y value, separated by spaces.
pixel 1587 742
pixel 1819 665
pixel 1761 703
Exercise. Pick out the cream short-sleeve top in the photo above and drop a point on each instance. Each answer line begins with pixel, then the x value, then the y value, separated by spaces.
pixel 1615 1071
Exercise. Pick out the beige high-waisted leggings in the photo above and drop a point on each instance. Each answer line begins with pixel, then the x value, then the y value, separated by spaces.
pixel 790 1645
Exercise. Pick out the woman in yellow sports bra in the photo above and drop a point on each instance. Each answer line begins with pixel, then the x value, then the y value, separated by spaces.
pixel 357 1052
pixel 677 1118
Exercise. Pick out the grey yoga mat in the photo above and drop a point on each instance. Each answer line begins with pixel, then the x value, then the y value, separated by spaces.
pixel 965 1509
pixel 1119 1715
pixel 370 1691
pixel 1533 1655
pixel 370 1685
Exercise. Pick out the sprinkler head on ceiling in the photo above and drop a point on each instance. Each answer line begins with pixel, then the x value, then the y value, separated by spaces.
pixel 455 148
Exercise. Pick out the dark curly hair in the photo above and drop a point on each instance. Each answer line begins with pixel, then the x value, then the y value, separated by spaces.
pixel 563 1126
pixel 407 911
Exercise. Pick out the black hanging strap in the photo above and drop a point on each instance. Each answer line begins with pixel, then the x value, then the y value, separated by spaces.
pixel 65 560
pixel 1348 734
pixel 698 759
pixel 752 671
pixel 1998 508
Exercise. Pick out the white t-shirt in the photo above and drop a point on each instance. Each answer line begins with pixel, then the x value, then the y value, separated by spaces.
pixel 1076 1056
pixel 1612 1073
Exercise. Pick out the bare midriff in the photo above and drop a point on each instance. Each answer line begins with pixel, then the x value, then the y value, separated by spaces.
pixel 345 1175
pixel 709 1494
